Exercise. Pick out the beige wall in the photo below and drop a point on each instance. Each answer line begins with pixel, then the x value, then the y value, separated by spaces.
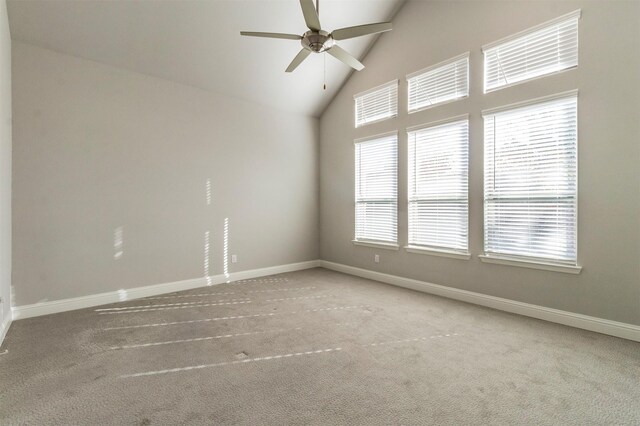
pixel 99 148
pixel 5 166
pixel 426 33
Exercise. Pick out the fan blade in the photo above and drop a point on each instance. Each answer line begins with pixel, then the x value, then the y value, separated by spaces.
pixel 301 56
pixel 342 55
pixel 271 35
pixel 310 15
pixel 361 30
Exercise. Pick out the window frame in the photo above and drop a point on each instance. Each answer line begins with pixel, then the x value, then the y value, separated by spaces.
pixel 466 55
pixel 373 90
pixel 566 17
pixel 544 263
pixel 370 242
pixel 413 247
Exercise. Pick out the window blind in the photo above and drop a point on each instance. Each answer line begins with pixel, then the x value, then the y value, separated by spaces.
pixel 438 186
pixel 377 104
pixel 440 83
pixel 377 189
pixel 530 181
pixel 543 50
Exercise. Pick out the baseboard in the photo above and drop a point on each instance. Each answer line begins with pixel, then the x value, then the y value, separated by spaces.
pixel 56 306
pixel 4 328
pixel 599 325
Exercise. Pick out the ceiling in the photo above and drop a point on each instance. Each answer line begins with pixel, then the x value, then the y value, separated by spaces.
pixel 198 42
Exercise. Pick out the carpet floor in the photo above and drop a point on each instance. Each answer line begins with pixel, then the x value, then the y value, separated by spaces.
pixel 311 347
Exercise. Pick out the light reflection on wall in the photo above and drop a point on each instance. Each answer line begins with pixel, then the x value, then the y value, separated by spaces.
pixel 207 275
pixel 208 192
pixel 225 249
pixel 118 243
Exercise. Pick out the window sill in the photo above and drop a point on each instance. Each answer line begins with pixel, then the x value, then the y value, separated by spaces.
pixel 386 246
pixel 546 266
pixel 435 252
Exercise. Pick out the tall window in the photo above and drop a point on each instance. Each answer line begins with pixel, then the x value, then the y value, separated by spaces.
pixel 438 186
pixel 545 49
pixel 377 104
pixel 444 82
pixel 377 189
pixel 530 181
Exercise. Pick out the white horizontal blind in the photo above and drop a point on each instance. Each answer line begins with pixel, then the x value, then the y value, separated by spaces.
pixel 544 50
pixel 530 181
pixel 444 82
pixel 438 186
pixel 377 104
pixel 377 189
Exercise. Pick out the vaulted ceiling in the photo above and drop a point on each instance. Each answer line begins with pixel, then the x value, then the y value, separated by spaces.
pixel 198 42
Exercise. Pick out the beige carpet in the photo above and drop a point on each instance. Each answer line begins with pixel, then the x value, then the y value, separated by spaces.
pixel 311 347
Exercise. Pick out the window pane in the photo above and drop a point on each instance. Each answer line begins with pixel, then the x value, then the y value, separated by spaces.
pixel 377 104
pixel 531 181
pixel 377 189
pixel 547 49
pixel 441 83
pixel 438 186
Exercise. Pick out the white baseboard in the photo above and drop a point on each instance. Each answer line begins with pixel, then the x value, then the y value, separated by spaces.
pixel 599 325
pixel 55 306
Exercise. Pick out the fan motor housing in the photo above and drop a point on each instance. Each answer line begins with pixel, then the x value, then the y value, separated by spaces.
pixel 317 41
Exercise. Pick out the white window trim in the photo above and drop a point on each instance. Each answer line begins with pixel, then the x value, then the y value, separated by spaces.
pixel 436 252
pixel 413 248
pixel 529 263
pixel 567 94
pixel 576 13
pixel 366 92
pixel 436 123
pixel 547 265
pixel 376 244
pixel 377 136
pixel 432 67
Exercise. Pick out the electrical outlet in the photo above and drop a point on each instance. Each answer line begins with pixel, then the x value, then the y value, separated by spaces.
pixel 376 258
pixel 234 258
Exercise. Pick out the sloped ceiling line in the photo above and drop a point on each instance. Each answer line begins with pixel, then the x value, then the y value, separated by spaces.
pixel 198 43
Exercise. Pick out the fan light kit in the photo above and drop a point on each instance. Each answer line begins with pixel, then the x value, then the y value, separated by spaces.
pixel 316 40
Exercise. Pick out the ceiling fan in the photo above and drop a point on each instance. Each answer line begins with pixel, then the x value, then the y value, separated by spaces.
pixel 318 41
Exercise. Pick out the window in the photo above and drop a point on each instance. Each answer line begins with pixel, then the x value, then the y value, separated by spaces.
pixel 530 181
pixel 444 82
pixel 377 104
pixel 539 51
pixel 438 186
pixel 377 189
